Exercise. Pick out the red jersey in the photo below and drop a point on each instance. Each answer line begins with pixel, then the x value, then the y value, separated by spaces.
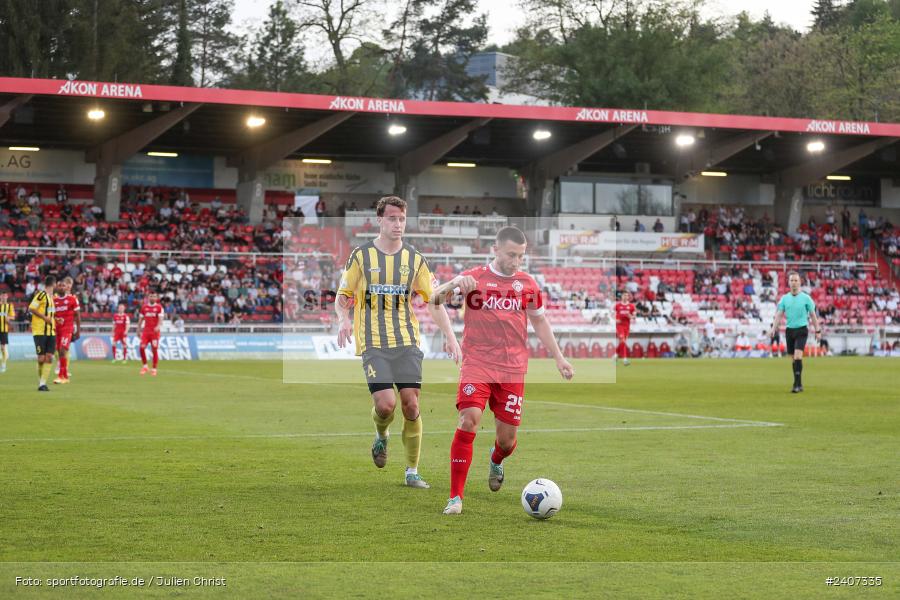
pixel 66 307
pixel 121 323
pixel 496 320
pixel 151 313
pixel 624 313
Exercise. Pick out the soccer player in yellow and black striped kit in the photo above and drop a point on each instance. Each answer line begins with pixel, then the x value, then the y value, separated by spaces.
pixel 43 328
pixel 7 316
pixel 381 277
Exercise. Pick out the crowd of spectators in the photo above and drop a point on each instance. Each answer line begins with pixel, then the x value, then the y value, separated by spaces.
pixel 229 292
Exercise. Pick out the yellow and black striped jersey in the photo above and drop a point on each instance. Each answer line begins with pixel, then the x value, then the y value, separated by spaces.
pixel 43 303
pixel 7 316
pixel 382 285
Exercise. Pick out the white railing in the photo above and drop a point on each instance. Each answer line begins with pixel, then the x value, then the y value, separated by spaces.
pixel 438 258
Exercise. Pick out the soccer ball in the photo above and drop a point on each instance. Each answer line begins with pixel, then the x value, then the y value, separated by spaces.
pixel 541 498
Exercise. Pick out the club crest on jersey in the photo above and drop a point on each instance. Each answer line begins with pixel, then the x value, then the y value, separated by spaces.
pixel 404 270
pixel 517 285
pixel 469 389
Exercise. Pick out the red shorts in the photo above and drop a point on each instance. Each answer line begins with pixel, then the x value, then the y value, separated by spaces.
pixel 150 337
pixel 120 337
pixel 622 331
pixel 505 398
pixel 63 340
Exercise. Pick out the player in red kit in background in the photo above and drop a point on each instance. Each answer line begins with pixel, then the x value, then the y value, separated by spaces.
pixel 624 314
pixel 68 325
pixel 121 325
pixel 150 326
pixel 500 301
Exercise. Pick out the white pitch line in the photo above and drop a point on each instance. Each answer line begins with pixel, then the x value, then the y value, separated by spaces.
pixel 568 404
pixel 242 436
pixel 656 412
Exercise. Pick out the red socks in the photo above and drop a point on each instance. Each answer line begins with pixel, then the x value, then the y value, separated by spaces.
pixel 63 367
pixel 460 459
pixel 498 454
pixel 155 356
pixel 143 355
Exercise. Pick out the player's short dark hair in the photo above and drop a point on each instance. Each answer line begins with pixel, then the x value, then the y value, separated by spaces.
pixel 49 280
pixel 393 201
pixel 511 233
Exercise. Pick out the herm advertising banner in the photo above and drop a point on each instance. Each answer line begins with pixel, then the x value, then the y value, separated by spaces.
pixel 587 242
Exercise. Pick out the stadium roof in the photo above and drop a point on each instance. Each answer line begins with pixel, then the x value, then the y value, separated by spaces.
pixel 52 114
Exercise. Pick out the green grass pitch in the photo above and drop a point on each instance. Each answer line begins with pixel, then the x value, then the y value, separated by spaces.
pixel 694 479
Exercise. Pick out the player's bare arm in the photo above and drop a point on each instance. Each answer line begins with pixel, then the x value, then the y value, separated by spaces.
pixel 442 320
pixel 776 323
pixel 817 325
pixel 545 333
pixel 461 284
pixel 345 326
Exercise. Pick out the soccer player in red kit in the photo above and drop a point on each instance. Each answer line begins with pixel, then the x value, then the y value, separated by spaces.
pixel 121 325
pixel 150 326
pixel 500 301
pixel 624 314
pixel 68 325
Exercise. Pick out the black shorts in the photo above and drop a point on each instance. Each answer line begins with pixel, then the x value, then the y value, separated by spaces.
pixel 44 344
pixel 796 338
pixel 386 367
pixel 4 338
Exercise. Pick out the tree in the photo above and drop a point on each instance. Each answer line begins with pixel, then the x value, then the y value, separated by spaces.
pixel 619 54
pixel 211 40
pixel 116 41
pixel 432 46
pixel 858 71
pixel 825 13
pixel 32 38
pixel 343 25
pixel 273 59
pixel 181 67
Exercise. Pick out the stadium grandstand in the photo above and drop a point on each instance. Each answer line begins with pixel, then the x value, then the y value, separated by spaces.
pixel 239 208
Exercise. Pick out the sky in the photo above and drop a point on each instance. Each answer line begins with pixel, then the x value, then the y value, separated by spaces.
pixel 504 16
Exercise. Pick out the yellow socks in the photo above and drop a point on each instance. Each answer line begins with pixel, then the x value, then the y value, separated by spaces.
pixel 412 441
pixel 44 371
pixel 382 424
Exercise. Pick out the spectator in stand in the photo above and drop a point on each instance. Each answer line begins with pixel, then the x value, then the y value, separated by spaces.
pixel 457 211
pixel 218 309
pixel 320 209
pixel 658 226
pixel 34 201
pixel 476 211
pixel 20 194
pixel 438 210
pixel 845 222
pixel 683 222
pixel 62 196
